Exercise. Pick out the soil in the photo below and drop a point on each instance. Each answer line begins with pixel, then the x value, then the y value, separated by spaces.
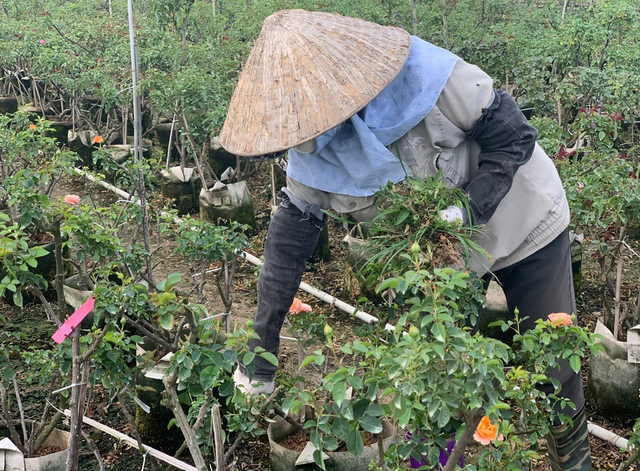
pixel 47 450
pixel 328 276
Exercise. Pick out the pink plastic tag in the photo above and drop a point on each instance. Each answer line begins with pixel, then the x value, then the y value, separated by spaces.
pixel 73 321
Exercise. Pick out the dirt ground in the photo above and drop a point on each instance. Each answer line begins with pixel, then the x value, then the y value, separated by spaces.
pixel 328 276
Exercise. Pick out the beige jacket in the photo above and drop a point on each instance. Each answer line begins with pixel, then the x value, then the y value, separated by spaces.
pixel 532 214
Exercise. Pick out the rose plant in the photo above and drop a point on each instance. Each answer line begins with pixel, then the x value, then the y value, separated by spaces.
pixel 434 378
pixel 432 375
pixel 604 196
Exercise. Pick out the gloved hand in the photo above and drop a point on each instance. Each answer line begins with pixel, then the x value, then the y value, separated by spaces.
pixel 251 387
pixel 452 214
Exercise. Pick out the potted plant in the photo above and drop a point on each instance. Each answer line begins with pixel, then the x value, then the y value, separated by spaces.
pixel 432 376
pixel 604 193
pixel 42 367
pixel 32 164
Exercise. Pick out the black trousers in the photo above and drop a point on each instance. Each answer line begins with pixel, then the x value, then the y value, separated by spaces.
pixel 537 286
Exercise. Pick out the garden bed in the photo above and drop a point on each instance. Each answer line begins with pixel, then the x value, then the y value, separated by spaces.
pixel 253 454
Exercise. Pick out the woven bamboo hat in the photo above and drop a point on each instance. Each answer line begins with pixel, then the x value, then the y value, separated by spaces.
pixel 307 73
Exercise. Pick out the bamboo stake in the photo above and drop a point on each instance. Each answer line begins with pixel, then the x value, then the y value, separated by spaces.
pixel 218 441
pixel 183 423
pixel 617 300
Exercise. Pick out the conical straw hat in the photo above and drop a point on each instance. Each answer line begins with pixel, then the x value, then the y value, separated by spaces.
pixel 308 72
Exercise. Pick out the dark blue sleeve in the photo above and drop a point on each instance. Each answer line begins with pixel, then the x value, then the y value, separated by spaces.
pixel 507 141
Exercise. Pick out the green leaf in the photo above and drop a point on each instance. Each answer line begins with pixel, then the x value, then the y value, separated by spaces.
pixel 354 443
pixel 309 359
pixel 439 332
pixel 166 321
pixel 360 407
pixel 248 357
pixel 330 443
pixel 208 377
pixel 39 251
pixel 168 283
pixel 355 382
pixel 439 349
pixel 444 417
pixel 339 392
pixel 340 428
pixel 388 283
pixel 405 417
pixel 371 424
pixel 317 457
pixel 270 357
pixel 375 410
pixel 574 363
pixel 17 298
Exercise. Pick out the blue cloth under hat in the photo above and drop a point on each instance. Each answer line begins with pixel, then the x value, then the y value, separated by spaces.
pixel 352 158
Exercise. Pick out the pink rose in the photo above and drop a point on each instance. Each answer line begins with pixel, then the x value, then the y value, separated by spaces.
pixel 560 318
pixel 298 306
pixel 71 199
pixel 42 41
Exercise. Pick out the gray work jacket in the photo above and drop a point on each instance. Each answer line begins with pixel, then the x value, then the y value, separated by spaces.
pixel 528 216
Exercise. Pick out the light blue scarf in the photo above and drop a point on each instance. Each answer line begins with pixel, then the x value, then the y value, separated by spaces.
pixel 352 158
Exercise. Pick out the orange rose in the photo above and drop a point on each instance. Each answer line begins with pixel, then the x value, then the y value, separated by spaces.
pixel 486 432
pixel 298 306
pixel 560 318
pixel 98 139
pixel 32 127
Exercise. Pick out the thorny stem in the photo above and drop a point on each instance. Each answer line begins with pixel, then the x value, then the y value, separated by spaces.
pixel 75 406
pixel 189 434
pixel 132 422
pixel 47 306
pixel 240 436
pixel 471 419
pixel 198 423
pixel 617 301
pixel 15 437
pixel 94 449
pixel 163 343
pixel 20 408
pixel 632 459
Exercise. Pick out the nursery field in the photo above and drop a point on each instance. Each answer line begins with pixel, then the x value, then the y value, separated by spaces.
pixel 130 245
pixel 253 454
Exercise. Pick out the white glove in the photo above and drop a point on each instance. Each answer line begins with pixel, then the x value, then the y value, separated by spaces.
pixel 251 387
pixel 452 214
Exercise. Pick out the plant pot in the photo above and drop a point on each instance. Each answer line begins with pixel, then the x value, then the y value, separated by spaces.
pixel 60 130
pixel 51 462
pixel 81 142
pixel 283 459
pixel 219 158
pixel 230 202
pixel 119 154
pixel 8 105
pixel 147 145
pixel 152 414
pixel 179 184
pixel 613 382
pixel 75 295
